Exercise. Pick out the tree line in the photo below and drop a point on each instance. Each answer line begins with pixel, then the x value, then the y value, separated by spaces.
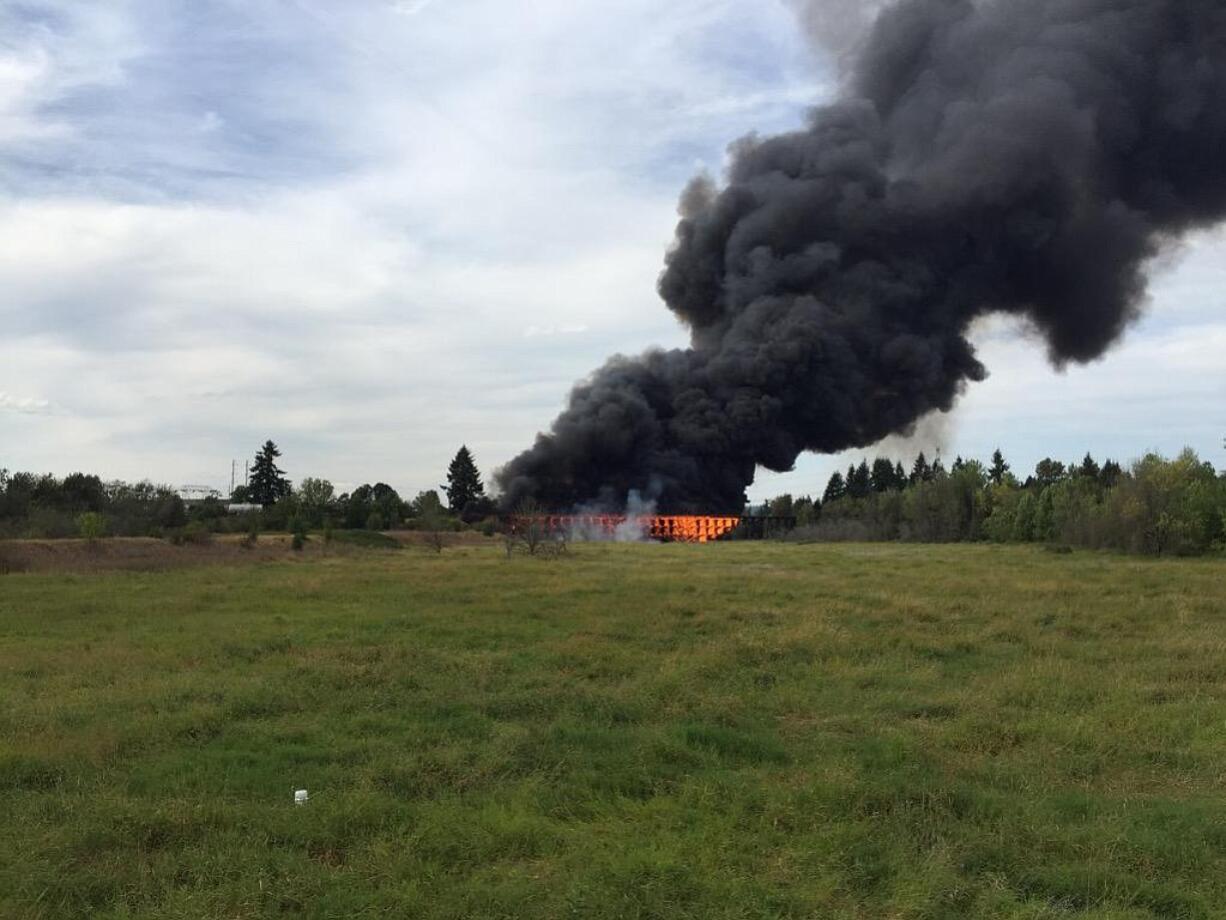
pixel 1155 506
pixel 81 504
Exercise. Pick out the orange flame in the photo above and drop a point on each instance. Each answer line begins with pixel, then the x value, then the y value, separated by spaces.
pixel 672 528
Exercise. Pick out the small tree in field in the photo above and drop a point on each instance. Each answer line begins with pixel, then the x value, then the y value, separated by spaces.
pixel 434 531
pixel 527 533
pixel 298 527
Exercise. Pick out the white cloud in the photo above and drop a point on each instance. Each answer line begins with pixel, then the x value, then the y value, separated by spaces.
pixel 25 405
pixel 395 234
pixel 410 7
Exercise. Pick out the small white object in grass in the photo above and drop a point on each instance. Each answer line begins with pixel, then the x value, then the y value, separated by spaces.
pixel 300 797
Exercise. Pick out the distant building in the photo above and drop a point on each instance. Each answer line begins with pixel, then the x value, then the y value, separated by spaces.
pixel 243 508
pixel 195 495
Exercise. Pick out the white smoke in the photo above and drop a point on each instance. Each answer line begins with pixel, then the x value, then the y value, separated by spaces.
pixel 635 528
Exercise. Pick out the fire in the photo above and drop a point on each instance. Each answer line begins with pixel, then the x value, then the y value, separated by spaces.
pixel 673 528
pixel 690 528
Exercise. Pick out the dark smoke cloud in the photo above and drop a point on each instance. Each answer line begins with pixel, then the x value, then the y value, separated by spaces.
pixel 1021 156
pixel 837 26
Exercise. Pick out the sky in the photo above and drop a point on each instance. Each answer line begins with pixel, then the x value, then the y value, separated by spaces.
pixel 374 230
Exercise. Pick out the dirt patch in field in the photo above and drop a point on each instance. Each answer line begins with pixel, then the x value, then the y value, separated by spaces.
pixel 149 554
pixel 140 554
pixel 424 538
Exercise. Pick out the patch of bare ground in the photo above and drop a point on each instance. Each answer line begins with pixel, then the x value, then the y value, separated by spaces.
pixel 425 538
pixel 143 553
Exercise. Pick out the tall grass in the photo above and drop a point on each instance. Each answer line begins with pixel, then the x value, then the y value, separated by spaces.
pixel 734 730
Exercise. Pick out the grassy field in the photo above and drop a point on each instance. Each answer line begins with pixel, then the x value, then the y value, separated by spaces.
pixel 735 730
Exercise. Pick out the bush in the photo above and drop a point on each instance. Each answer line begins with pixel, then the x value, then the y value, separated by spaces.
pixel 194 534
pixel 252 536
pixel 526 533
pixel 298 541
pixel 50 524
pixel 91 526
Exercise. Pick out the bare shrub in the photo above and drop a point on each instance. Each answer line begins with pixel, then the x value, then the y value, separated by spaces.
pixel 435 540
pixel 527 533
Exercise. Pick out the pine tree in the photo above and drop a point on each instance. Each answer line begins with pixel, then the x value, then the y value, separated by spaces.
pixel 999 468
pixel 860 481
pixel 1110 474
pixel 267 483
pixel 882 475
pixel 1089 468
pixel 900 477
pixel 836 488
pixel 920 471
pixel 463 481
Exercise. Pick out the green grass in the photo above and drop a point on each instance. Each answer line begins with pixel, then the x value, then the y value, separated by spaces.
pixel 735 730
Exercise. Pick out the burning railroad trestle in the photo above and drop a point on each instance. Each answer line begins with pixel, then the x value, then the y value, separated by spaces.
pixel 665 528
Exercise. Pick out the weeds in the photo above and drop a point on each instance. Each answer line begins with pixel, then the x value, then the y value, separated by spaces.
pixel 722 731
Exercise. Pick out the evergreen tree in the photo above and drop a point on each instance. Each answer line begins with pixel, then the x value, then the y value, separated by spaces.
pixel 883 475
pixel 937 470
pixel 860 481
pixel 920 471
pixel 998 468
pixel 836 488
pixel 900 477
pixel 1088 468
pixel 463 481
pixel 1110 474
pixel 267 483
pixel 958 464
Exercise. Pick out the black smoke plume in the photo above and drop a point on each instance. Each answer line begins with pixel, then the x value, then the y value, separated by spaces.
pixel 1026 157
